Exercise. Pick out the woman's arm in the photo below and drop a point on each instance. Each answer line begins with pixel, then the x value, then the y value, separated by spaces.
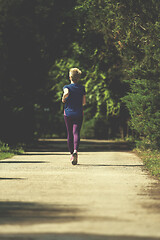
pixel 65 95
pixel 84 100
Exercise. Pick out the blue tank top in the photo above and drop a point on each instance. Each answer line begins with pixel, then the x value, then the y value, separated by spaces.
pixel 73 106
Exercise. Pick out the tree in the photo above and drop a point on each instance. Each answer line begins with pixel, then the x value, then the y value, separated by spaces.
pixel 104 64
pixel 129 33
pixel 33 35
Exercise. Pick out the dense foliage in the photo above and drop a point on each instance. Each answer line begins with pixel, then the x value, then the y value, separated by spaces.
pixel 32 35
pixel 114 42
pixel 130 31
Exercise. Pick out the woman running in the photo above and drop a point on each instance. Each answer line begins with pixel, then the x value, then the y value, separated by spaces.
pixel 74 99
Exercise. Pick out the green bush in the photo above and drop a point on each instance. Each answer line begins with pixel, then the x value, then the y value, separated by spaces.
pixel 151 160
pixel 6 151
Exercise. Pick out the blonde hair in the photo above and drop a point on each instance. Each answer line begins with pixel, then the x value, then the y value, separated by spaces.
pixel 75 74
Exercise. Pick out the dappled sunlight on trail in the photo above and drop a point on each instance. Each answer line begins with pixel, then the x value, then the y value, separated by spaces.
pixel 107 196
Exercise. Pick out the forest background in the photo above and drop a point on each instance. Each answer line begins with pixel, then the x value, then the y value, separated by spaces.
pixel 116 44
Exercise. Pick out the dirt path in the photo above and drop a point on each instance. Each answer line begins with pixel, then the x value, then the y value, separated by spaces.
pixel 107 196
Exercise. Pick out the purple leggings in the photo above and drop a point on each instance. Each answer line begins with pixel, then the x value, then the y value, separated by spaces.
pixel 73 125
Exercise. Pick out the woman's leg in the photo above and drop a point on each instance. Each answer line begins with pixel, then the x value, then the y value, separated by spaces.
pixel 69 126
pixel 77 123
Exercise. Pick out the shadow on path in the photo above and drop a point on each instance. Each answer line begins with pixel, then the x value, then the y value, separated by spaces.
pixel 109 165
pixel 60 145
pixel 22 161
pixel 32 213
pixel 70 236
pixel 25 213
pixel 12 178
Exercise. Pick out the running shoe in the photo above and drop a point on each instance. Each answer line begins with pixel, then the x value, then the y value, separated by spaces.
pixel 75 158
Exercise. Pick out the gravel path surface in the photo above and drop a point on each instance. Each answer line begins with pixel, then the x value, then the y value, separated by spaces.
pixel 107 196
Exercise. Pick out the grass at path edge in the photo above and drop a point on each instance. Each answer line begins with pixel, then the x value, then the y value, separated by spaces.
pixel 4 155
pixel 149 156
pixel 7 152
pixel 151 159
